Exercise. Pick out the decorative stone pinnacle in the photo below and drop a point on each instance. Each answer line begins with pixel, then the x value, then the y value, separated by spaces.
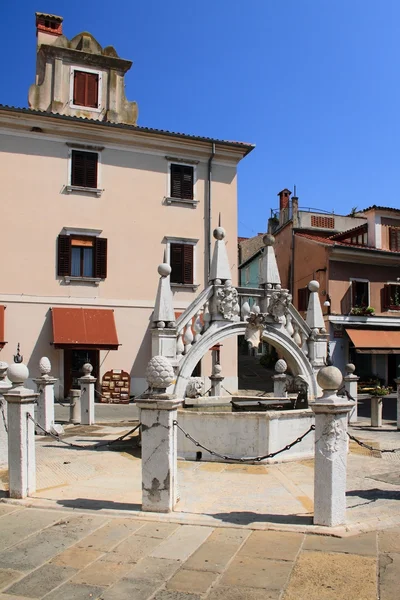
pixel 18 358
pixel 159 373
pixel 87 369
pixel 44 366
pixel 268 239
pixel 329 378
pixel 350 368
pixel 280 366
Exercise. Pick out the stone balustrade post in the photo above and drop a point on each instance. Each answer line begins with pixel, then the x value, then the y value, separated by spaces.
pixel 45 404
pixel 87 383
pixel 75 407
pixel 280 379
pixel 331 444
pixel 21 433
pixel 216 381
pixel 158 411
pixel 5 385
pixel 351 387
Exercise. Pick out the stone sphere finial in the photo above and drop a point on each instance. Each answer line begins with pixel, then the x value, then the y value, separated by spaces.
pixel 219 233
pixel 350 368
pixel 280 366
pixel 87 369
pixel 159 373
pixel 18 373
pixel 329 378
pixel 313 286
pixel 44 366
pixel 217 369
pixel 268 239
pixel 164 269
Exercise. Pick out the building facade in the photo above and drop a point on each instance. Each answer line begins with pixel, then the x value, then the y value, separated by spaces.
pixel 91 205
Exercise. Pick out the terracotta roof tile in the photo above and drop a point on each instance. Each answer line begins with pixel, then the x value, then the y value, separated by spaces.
pixel 330 242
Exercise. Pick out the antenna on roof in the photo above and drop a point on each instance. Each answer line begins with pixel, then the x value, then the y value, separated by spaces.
pixel 295 195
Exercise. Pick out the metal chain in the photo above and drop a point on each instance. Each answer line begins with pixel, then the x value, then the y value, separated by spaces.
pixel 346 393
pixel 230 393
pixel 3 415
pixel 243 459
pixel 364 445
pixel 87 446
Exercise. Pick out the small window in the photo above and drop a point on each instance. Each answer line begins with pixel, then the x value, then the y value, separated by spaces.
pixel 82 257
pixel 394 239
pixel 84 169
pixel 181 260
pixel 86 89
pixel 303 295
pixel 182 182
pixel 360 293
pixel 391 297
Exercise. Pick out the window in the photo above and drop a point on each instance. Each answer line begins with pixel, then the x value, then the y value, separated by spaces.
pixel 85 89
pixel 84 169
pixel 394 239
pixel 359 293
pixel 182 182
pixel 181 261
pixel 303 295
pixel 82 257
pixel 391 297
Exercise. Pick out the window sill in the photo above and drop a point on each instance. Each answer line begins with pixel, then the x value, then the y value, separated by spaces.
pixel 71 279
pixel 86 190
pixel 185 286
pixel 170 200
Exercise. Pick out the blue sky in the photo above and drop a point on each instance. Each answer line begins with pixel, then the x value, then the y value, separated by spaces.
pixel 314 84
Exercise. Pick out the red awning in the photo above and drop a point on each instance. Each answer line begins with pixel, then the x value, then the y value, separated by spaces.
pixel 2 340
pixel 84 328
pixel 375 341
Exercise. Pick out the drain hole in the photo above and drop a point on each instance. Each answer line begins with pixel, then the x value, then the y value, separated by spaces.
pixel 199 455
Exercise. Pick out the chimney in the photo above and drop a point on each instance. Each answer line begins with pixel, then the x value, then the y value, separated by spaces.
pixel 284 204
pixel 48 28
pixel 295 210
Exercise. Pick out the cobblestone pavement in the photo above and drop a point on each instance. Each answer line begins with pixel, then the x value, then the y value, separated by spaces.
pixel 59 554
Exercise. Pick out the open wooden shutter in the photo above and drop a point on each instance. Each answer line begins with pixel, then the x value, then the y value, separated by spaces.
pixel 64 256
pixel 394 239
pixel 302 299
pixel 176 262
pixel 100 258
pixel 79 88
pixel 92 90
pixel 187 263
pixel 187 183
pixel 386 297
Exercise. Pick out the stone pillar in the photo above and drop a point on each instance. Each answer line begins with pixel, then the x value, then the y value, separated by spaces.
pixel 331 443
pixel 5 385
pixel 87 395
pixel 45 405
pixel 280 379
pixel 216 381
pixel 158 411
pixel 75 407
pixel 21 433
pixel 376 411
pixel 351 387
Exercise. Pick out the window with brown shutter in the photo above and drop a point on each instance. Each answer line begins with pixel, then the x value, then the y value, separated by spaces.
pixel 86 89
pixel 181 260
pixel 391 297
pixel 394 239
pixel 302 299
pixel 182 180
pixel 84 257
pixel 84 169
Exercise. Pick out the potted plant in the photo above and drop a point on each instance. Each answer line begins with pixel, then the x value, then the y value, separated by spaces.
pixel 377 394
pixel 362 311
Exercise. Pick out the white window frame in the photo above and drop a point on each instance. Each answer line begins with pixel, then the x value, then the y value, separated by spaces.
pixel 168 240
pixel 72 70
pixel 363 281
pixel 168 197
pixel 77 188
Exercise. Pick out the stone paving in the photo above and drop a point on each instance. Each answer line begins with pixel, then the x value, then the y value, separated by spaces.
pixel 59 554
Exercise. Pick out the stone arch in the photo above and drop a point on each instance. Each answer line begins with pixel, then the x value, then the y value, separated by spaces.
pixel 294 356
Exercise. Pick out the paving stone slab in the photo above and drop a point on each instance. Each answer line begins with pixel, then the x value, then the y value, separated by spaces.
pixel 328 576
pixel 101 573
pixel 389 541
pixel 182 543
pixel 12 597
pixel 186 580
pixel 272 544
pixel 138 589
pixel 389 576
pixel 233 593
pixel 110 534
pixel 212 556
pixel 229 535
pixel 42 581
pixel 132 549
pixel 76 557
pixel 7 576
pixel 172 595
pixel 254 572
pixel 364 544
pixel 21 524
pixel 74 591
pixel 158 530
pixel 6 509
pixel 155 569
pixel 40 547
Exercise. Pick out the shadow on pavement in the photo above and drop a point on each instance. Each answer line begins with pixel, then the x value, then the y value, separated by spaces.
pixel 375 494
pixel 88 503
pixel 245 518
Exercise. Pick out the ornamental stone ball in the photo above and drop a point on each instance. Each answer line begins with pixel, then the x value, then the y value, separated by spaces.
pixel 329 378
pixel 164 269
pixel 87 369
pixel 159 373
pixel 17 373
pixel 219 233
pixel 313 286
pixel 350 368
pixel 217 369
pixel 280 366
pixel 44 365
pixel 268 239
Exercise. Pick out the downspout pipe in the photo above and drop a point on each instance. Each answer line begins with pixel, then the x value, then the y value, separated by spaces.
pixel 208 214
